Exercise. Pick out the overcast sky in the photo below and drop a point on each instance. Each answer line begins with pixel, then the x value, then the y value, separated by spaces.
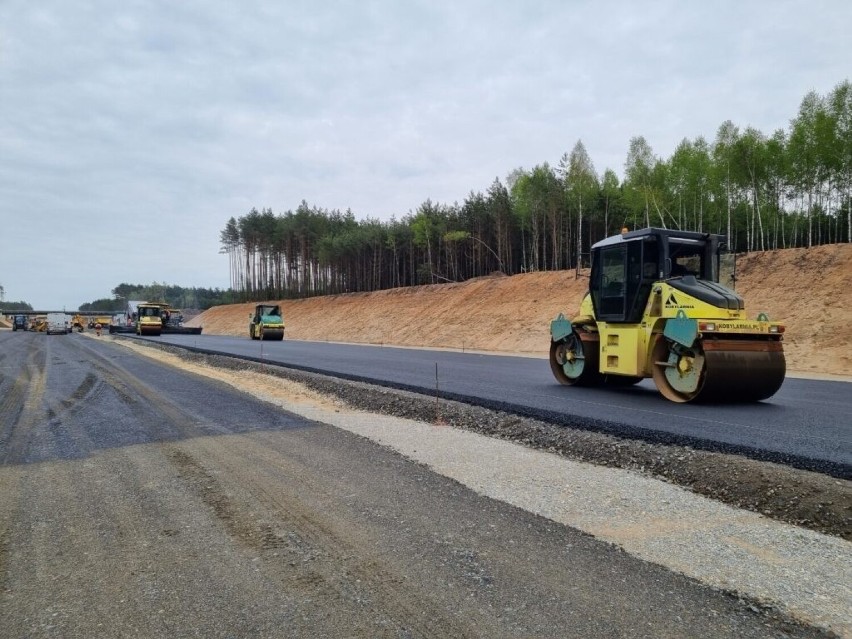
pixel 131 131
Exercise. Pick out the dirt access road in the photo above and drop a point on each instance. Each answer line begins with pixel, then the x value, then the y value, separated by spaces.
pixel 140 500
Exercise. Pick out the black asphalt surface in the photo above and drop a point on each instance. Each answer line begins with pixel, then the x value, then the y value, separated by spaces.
pixel 807 424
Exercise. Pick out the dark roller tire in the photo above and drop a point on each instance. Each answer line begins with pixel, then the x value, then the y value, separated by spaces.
pixel 585 355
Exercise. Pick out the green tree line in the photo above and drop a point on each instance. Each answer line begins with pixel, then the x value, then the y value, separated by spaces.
pixel 11 304
pixel 790 188
pixel 16 306
pixel 176 296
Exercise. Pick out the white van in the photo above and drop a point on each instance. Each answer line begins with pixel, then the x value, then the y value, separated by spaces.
pixel 57 323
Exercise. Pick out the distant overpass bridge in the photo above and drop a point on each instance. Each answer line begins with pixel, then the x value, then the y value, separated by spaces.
pixel 8 312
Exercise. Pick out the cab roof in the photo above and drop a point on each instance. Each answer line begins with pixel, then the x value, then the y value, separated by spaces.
pixel 669 234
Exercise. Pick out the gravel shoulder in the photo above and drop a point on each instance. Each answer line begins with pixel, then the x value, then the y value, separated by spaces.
pixel 668 505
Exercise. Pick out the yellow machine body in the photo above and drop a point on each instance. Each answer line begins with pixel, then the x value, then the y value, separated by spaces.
pixel 266 323
pixel 148 319
pixel 688 332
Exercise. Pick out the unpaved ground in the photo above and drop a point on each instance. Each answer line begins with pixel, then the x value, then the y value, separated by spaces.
pixel 137 500
pixel 804 498
pixel 803 573
pixel 809 289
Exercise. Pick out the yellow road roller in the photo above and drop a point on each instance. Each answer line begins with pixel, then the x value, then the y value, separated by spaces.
pixel 656 308
pixel 148 319
pixel 266 323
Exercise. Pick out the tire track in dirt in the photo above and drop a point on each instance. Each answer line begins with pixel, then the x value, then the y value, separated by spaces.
pixel 172 423
pixel 12 403
pixel 80 393
pixel 21 407
pixel 308 551
pixel 303 552
pixel 60 428
pixel 79 541
pixel 16 362
pixel 56 410
pixel 16 397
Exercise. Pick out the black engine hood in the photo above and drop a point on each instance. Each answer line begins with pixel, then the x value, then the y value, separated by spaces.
pixel 709 292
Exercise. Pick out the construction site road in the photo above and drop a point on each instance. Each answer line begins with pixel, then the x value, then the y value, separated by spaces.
pixel 140 500
pixel 806 424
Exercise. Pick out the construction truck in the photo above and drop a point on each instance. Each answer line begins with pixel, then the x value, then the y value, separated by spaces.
pixel 39 324
pixel 266 323
pixel 656 308
pixel 20 323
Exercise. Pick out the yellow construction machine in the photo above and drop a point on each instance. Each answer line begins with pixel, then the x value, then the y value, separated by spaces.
pixel 78 323
pixel 173 322
pixel 154 318
pixel 655 308
pixel 103 320
pixel 266 323
pixel 148 319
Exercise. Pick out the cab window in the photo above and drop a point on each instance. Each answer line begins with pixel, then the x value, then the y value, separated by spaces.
pixel 612 282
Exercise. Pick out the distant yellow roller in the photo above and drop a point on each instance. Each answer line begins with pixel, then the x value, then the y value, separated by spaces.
pixel 266 323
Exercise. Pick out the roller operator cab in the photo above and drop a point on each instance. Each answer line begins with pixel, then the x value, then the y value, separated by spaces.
pixel 266 323
pixel 656 308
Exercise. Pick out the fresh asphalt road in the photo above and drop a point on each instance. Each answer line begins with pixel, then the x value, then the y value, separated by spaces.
pixel 806 424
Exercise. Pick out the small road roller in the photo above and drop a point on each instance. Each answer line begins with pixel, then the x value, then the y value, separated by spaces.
pixel 656 308
pixel 148 319
pixel 266 323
